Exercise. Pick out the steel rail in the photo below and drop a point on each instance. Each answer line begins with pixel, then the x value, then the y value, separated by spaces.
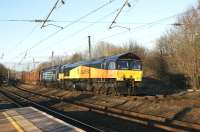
pixel 10 99
pixel 145 119
pixel 74 122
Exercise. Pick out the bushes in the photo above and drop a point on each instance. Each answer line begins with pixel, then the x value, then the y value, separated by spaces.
pixel 181 45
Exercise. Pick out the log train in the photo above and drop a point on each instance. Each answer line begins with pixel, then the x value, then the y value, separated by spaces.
pixel 117 74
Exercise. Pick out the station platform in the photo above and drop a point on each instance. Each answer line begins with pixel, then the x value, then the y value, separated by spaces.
pixel 29 119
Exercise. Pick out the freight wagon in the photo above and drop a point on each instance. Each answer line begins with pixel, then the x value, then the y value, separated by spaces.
pixel 32 77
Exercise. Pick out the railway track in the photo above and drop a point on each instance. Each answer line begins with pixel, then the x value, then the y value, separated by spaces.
pixel 6 103
pixel 144 119
pixel 22 101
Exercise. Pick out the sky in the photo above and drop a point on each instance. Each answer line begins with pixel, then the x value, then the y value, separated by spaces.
pixel 23 41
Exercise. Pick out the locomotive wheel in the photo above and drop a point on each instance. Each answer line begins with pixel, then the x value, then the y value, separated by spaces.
pixel 100 87
pixel 89 86
pixel 130 88
pixel 111 90
pixel 116 88
pixel 104 88
pixel 96 87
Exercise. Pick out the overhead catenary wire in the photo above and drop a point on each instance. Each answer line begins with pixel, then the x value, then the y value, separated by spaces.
pixel 95 22
pixel 73 22
pixel 23 58
pixel 26 20
pixel 146 24
pixel 68 25
pixel 90 25
pixel 87 26
pixel 141 26
pixel 22 41
pixel 26 37
pixel 149 24
pixel 82 22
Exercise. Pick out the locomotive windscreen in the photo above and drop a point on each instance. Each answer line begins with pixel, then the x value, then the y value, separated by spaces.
pixel 129 64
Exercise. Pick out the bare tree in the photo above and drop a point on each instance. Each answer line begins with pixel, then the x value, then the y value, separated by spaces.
pixel 180 46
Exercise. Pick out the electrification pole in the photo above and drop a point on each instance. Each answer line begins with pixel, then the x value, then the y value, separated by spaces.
pixel 89 46
pixel 89 42
pixel 33 63
pixel 52 56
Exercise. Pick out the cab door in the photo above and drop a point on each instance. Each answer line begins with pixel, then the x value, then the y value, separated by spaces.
pixel 112 73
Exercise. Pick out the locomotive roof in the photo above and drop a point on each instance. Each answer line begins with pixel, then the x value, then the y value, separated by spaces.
pixel 50 68
pixel 83 63
pixel 109 58
pixel 122 56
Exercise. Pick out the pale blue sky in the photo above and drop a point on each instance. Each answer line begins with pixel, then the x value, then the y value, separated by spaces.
pixel 17 37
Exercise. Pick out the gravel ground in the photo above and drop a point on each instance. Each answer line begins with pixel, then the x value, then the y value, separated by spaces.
pixel 184 106
pixel 101 121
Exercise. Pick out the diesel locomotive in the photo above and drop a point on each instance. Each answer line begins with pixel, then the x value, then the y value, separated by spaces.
pixel 117 74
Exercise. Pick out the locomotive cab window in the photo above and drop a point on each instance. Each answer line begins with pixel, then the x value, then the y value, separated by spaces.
pixel 112 66
pixel 104 65
pixel 123 65
pixel 129 65
pixel 66 71
pixel 135 65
